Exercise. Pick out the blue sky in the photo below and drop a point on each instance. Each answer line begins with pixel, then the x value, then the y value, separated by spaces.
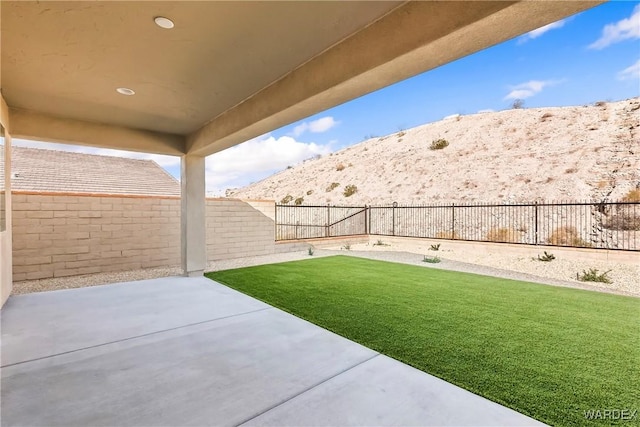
pixel 589 57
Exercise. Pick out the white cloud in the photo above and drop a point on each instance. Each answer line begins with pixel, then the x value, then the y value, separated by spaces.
pixel 320 125
pixel 162 160
pixel 628 28
pixel 540 31
pixel 529 89
pixel 631 72
pixel 256 159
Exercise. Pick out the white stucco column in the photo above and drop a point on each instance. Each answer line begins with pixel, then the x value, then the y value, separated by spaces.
pixel 6 243
pixel 193 214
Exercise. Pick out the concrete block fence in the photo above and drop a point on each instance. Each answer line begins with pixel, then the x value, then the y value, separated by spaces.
pixel 65 234
pixel 237 228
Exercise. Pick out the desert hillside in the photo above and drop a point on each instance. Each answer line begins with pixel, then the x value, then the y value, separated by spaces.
pixel 563 153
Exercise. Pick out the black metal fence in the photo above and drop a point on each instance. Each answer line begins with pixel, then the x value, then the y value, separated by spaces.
pixel 608 225
pixel 306 222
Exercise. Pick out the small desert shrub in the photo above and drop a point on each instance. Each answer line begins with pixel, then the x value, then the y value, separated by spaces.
pixel 401 134
pixel 310 192
pixel 299 201
pixel 333 186
pixel 380 243
pixel 350 190
pixel 286 199
pixel 435 247
pixel 571 170
pixel 310 251
pixel 289 167
pixel 567 236
pixel 623 221
pixel 431 259
pixel 547 257
pixel 347 247
pixel 593 276
pixel 503 235
pixel 340 167
pixel 600 104
pixel 632 196
pixel 438 144
pixel 517 104
pixel 447 235
pixel 545 116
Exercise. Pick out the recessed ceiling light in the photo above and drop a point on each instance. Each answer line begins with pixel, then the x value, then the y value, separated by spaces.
pixel 163 22
pixel 125 91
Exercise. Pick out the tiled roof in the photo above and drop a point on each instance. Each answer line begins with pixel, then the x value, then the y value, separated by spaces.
pixel 36 169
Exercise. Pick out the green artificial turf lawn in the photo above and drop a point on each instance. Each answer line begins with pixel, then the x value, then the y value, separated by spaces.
pixel 548 352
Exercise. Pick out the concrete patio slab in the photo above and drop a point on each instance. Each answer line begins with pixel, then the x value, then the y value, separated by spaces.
pixel 189 351
pixel 385 392
pixel 47 323
pixel 222 372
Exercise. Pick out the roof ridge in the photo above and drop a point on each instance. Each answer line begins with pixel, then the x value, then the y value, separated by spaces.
pixel 109 156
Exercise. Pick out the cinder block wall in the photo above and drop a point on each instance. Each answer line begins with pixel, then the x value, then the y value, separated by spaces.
pixel 56 235
pixel 239 228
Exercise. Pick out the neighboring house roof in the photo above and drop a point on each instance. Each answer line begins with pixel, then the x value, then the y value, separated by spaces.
pixel 35 169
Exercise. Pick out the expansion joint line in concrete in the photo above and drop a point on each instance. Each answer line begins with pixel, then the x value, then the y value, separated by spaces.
pixel 136 337
pixel 306 390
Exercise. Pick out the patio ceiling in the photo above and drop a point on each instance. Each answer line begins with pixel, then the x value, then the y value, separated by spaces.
pixel 227 71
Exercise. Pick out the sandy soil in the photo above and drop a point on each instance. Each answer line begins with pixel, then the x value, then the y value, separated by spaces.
pixel 565 153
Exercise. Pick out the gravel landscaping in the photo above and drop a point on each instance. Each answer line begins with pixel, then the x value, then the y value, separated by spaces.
pixel 625 277
pixel 560 272
pixel 505 270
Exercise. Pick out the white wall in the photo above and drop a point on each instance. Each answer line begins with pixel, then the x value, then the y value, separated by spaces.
pixel 5 236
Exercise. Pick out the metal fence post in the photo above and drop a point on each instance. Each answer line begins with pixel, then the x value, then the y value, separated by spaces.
pixel 327 231
pixel 366 211
pixel 275 220
pixel 453 221
pixel 393 219
pixel 535 226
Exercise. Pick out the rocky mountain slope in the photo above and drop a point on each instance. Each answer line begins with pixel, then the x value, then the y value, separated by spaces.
pixel 520 155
